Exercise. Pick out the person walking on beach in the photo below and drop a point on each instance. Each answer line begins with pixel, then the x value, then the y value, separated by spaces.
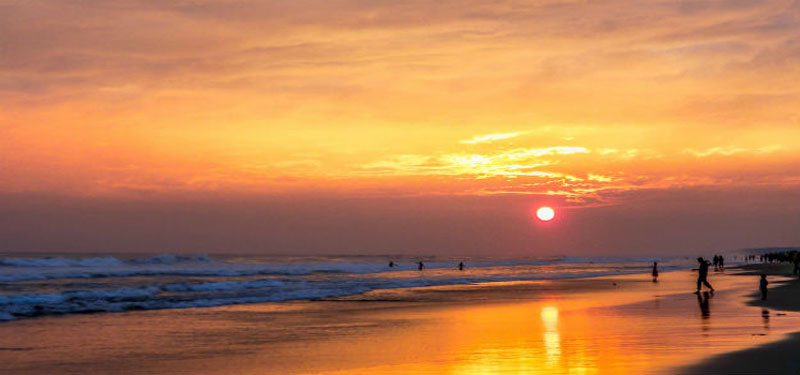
pixel 763 286
pixel 655 272
pixel 702 275
pixel 461 266
pixel 421 266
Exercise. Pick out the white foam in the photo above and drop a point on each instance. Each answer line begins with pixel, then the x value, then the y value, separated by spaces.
pixel 176 281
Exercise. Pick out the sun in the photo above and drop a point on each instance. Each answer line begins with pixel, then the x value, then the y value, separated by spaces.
pixel 545 213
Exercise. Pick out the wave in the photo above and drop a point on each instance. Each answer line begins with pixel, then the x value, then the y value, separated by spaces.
pixel 62 285
pixel 52 268
pixel 208 294
pixel 106 261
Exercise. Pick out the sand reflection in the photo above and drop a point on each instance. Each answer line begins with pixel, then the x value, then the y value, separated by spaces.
pixel 552 339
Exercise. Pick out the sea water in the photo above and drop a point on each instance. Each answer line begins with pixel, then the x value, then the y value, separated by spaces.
pixel 41 285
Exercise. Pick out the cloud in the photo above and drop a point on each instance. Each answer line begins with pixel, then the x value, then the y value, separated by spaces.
pixel 733 150
pixel 491 138
pixel 556 150
pixel 217 95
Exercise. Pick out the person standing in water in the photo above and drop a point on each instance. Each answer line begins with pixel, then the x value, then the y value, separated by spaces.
pixel 461 266
pixel 702 275
pixel 421 266
pixel 763 286
pixel 655 272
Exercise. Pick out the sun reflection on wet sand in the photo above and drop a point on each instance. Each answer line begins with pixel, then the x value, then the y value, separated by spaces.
pixel 552 339
pixel 587 333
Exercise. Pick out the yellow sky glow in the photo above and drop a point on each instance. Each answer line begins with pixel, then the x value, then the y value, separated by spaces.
pixel 583 100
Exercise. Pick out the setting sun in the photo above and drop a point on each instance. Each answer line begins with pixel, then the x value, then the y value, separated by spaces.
pixel 545 213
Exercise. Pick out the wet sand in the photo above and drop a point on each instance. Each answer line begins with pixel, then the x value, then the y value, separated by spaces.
pixel 782 357
pixel 608 325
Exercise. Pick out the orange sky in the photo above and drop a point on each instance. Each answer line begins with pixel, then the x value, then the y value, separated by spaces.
pixel 581 104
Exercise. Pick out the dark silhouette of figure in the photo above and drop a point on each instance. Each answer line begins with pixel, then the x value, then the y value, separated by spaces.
pixel 715 262
pixel 763 286
pixel 702 301
pixel 721 261
pixel 702 275
pixel 391 264
pixel 655 272
pixel 421 266
pixel 461 266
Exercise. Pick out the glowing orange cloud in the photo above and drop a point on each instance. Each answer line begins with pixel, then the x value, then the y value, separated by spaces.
pixel 581 100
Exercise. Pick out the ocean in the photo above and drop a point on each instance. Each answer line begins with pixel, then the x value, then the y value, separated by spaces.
pixel 32 286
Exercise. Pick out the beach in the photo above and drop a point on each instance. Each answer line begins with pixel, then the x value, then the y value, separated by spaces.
pixel 779 357
pixel 597 325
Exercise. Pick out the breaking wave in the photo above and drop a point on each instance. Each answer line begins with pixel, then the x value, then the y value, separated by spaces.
pixel 32 287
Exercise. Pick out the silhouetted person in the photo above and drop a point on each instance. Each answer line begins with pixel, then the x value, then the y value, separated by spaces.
pixel 702 301
pixel 391 264
pixel 702 275
pixel 421 266
pixel 655 271
pixel 763 286
pixel 461 266
pixel 721 261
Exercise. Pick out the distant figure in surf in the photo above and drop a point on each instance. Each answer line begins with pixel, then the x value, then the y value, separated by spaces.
pixel 421 266
pixel 461 266
pixel 391 264
pixel 721 261
pixel 763 286
pixel 655 272
pixel 702 275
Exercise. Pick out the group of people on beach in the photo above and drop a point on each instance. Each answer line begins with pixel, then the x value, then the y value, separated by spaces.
pixel 775 257
pixel 421 265
pixel 791 256
pixel 702 272
pixel 719 262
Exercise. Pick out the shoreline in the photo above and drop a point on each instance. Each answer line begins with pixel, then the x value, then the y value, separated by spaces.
pixel 618 324
pixel 779 357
